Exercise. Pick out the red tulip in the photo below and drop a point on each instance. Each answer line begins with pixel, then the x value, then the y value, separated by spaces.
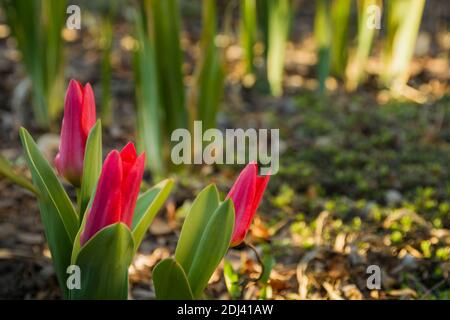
pixel 79 117
pixel 117 191
pixel 246 194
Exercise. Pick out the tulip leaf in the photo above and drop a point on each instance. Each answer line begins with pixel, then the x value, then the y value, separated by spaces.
pixel 58 215
pixel 196 221
pixel 205 255
pixel 147 206
pixel 103 263
pixel 92 166
pixel 77 244
pixel 170 281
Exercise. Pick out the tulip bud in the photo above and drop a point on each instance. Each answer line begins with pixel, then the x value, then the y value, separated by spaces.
pixel 79 118
pixel 117 191
pixel 246 194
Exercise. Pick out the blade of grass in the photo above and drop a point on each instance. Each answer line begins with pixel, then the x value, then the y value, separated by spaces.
pixel 108 14
pixel 358 59
pixel 37 26
pixel 340 14
pixel 279 20
pixel 322 34
pixel 164 25
pixel 207 91
pixel 402 30
pixel 149 115
pixel 248 29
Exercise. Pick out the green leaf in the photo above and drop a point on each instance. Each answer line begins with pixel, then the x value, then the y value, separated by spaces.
pixel 340 15
pixel 231 280
pixel 149 114
pixel 170 281
pixel 92 166
pixel 402 27
pixel 164 21
pixel 268 262
pixel 279 21
pixel 323 36
pixel 358 59
pixel 41 46
pixel 57 212
pixel 196 222
pixel 104 262
pixel 214 243
pixel 147 206
pixel 248 31
pixel 7 170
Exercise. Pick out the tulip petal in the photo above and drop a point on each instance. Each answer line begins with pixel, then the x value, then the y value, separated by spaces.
pixel 88 109
pixel 71 150
pixel 130 188
pixel 261 184
pixel 106 207
pixel 243 194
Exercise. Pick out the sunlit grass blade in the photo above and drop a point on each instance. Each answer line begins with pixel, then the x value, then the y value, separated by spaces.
pixel 279 21
pixel 340 14
pixel 323 36
pixel 106 28
pixel 207 91
pixel 164 26
pixel 37 26
pixel 149 115
pixel 24 18
pixel 54 17
pixel 106 41
pixel 403 21
pixel 248 31
pixel 358 59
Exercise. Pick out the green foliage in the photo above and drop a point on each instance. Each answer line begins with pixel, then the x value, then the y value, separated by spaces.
pixel 37 26
pixel 358 58
pixel 170 281
pixel 7 170
pixel 402 30
pixel 149 113
pixel 323 36
pixel 206 93
pixel 147 206
pixel 163 21
pixel 279 22
pixel 57 212
pixel 248 31
pixel 106 42
pixel 204 238
pixel 92 166
pixel 104 262
pixel 231 280
pixel 340 22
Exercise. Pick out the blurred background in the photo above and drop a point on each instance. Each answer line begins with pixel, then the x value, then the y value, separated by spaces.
pixel 358 88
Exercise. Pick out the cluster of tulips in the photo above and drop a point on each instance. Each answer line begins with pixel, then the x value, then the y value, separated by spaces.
pixel 103 231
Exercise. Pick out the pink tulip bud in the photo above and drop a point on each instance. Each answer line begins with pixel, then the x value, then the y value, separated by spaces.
pixel 246 194
pixel 117 191
pixel 79 117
